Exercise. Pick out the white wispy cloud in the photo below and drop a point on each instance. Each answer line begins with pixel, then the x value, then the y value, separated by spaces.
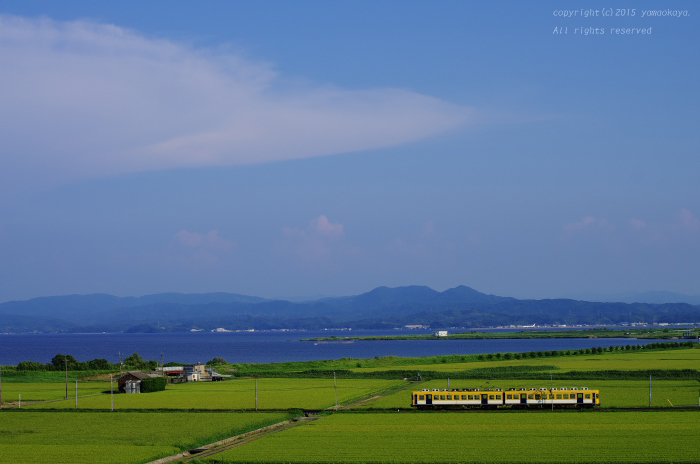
pixel 197 250
pixel 317 243
pixel 83 99
pixel 209 240
pixel 586 223
pixel 688 220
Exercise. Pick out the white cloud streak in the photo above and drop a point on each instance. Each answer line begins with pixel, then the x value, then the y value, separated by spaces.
pixel 587 223
pixel 82 99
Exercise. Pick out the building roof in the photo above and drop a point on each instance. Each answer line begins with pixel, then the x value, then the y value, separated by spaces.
pixel 139 375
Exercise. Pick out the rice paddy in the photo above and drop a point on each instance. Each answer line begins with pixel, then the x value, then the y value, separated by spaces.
pixel 541 437
pixel 627 360
pixel 272 394
pixel 80 437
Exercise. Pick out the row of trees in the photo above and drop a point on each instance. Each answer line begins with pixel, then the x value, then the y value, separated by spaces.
pixel 596 350
pixel 133 362
pixel 63 361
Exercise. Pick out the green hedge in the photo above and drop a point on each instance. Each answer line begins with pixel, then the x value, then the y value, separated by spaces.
pixel 153 384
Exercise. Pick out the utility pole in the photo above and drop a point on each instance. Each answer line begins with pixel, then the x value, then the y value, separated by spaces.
pixel 120 363
pixel 551 389
pixel 65 361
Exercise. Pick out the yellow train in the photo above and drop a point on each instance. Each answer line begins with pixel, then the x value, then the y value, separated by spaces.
pixel 466 398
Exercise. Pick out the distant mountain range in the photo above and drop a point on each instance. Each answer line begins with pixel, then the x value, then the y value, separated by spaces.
pixel 640 297
pixel 380 308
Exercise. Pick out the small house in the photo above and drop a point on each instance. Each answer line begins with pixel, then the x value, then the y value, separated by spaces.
pixel 197 372
pixel 130 382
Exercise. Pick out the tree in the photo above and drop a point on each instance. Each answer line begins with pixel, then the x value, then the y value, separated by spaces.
pixel 135 361
pixel 217 361
pixel 31 366
pixel 59 362
pixel 99 364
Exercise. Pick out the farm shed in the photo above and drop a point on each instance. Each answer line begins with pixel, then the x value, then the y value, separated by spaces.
pixel 130 382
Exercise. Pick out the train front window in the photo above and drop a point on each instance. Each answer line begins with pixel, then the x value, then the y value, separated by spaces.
pixel 421 397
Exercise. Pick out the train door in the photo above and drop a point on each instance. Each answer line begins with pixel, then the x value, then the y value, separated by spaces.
pixel 428 399
pixel 484 399
pixel 579 398
pixel 523 398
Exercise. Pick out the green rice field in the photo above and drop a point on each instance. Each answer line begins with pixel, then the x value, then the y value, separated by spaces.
pixel 273 394
pixel 539 437
pixel 627 360
pixel 50 391
pixel 613 393
pixel 114 437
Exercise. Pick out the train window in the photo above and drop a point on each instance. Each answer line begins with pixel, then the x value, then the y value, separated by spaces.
pixel 449 397
pixel 470 397
pixel 509 397
pixel 558 396
pixel 498 397
pixel 531 397
pixel 490 397
pixel 442 397
pixel 588 396
pixel 464 397
pixel 421 397
pixel 566 396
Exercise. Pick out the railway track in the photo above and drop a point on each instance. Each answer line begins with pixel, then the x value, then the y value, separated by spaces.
pixel 234 442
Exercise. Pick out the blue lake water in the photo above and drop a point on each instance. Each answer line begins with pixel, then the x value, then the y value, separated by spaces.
pixel 263 347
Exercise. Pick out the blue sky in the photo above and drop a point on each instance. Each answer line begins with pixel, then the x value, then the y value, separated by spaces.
pixel 293 149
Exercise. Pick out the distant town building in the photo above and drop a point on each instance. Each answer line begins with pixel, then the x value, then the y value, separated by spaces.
pixel 440 333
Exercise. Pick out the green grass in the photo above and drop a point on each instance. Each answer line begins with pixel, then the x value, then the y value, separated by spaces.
pixel 63 437
pixel 50 391
pixel 12 375
pixel 613 393
pixel 546 437
pixel 672 358
pixel 273 394
pixel 627 360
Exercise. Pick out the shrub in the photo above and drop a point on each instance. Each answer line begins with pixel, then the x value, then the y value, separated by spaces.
pixel 153 384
